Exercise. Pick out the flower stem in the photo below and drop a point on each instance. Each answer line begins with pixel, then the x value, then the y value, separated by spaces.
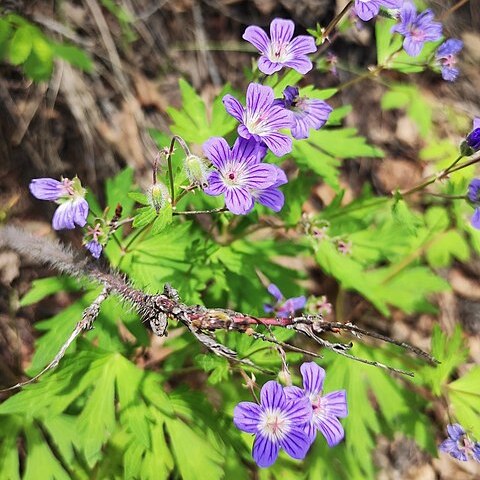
pixel 198 212
pixel 335 21
pixel 170 170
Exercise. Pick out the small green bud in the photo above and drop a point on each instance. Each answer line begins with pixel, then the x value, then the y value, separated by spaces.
pixel 196 171
pixel 466 150
pixel 157 196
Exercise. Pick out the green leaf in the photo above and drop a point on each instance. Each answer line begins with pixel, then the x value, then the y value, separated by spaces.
pixel 5 33
pixel 164 218
pixel 21 45
pixel 74 56
pixel 144 216
pixel 117 191
pixel 138 197
pixel 464 396
pixel 200 460
pixel 48 286
pixel 192 122
pixel 40 460
pixel 405 217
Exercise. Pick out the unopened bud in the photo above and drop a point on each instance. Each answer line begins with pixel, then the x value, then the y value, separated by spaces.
pixel 157 196
pixel 196 171
pixel 284 377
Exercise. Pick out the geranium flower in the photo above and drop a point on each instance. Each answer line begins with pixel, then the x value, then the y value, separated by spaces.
pixel 417 29
pixel 276 422
pixel 367 9
pixel 261 119
pixel 474 197
pixel 446 57
pixel 69 194
pixel 239 172
pixel 280 50
pixel 459 445
pixel 473 138
pixel 326 408
pixel 307 112
pixel 283 307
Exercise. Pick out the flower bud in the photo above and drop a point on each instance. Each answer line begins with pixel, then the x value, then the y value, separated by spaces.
pixel 196 171
pixel 157 196
pixel 473 140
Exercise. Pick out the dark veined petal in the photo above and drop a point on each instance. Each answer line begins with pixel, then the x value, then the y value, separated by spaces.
pixel 455 431
pixel 335 403
pixel 331 429
pixel 293 392
pixel 272 396
pixel 474 190
pixel 366 11
pixel 46 188
pixel 246 416
pixel 94 248
pixel 217 150
pixel 260 175
pixel 238 200
pixel 233 107
pixel 451 447
pixel 271 197
pixel 215 185
pixel 278 143
pixel 301 128
pixel 275 292
pixel 302 45
pixel 452 46
pixel 296 443
pixel 450 74
pixel 80 211
pixel 475 220
pixel 390 3
pixel 244 133
pixel 281 177
pixel 259 98
pixel 248 150
pixel 298 411
pixel 279 117
pixel 63 217
pixel 301 64
pixel 313 377
pixel 268 67
pixel 476 452
pixel 257 37
pixel 412 46
pixel 281 31
pixel 264 451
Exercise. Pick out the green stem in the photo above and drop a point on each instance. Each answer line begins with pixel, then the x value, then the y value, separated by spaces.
pixel 170 170
pixel 198 212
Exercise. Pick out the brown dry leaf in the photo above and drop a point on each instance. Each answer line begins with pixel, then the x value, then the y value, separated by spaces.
pixel 397 173
pixel 148 94
pixel 9 267
pixel 464 286
pixel 123 134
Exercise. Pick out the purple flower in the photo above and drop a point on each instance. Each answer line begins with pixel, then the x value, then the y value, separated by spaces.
pixel 276 422
pixel 367 9
pixel 417 29
pixel 272 197
pixel 446 56
pixel 94 248
pixel 239 172
pixel 261 119
pixel 474 197
pixel 280 49
pixel 73 208
pixel 284 308
pixel 326 408
pixel 473 138
pixel 459 445
pixel 307 112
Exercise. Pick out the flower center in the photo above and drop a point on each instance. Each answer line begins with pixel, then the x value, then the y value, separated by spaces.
pixel 256 124
pixel 449 61
pixel 418 34
pixel 273 424
pixel 278 52
pixel 68 187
